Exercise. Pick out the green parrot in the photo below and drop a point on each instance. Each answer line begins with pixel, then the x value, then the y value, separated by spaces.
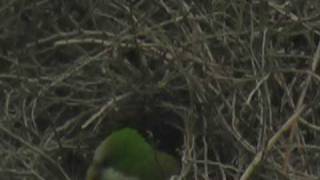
pixel 125 155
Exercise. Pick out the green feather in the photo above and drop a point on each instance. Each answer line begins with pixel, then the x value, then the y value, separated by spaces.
pixel 125 155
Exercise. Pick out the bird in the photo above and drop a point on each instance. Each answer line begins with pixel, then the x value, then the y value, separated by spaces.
pixel 126 155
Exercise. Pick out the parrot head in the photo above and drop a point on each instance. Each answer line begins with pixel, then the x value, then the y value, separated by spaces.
pixel 125 155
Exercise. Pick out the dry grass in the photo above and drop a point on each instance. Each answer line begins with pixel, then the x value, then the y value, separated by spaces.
pixel 239 80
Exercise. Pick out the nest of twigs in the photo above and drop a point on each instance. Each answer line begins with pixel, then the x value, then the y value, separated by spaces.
pixel 233 85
